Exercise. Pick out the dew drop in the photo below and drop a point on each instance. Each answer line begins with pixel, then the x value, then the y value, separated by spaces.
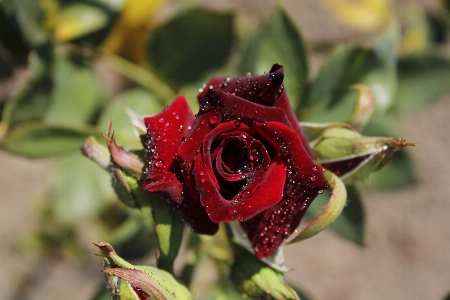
pixel 205 105
pixel 201 173
pixel 232 212
pixel 312 178
pixel 203 122
pixel 314 168
pixel 202 180
pixel 237 122
pixel 213 120
pixel 158 138
pixel 246 194
pixel 161 120
pixel 159 164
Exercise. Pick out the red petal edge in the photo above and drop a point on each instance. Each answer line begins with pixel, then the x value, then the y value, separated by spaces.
pixel 165 132
pixel 267 230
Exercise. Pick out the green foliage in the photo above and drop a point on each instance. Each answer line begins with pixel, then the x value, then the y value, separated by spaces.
pixel 278 40
pixel 191 44
pixel 63 100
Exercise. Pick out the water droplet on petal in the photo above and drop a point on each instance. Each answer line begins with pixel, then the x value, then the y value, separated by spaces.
pixel 314 168
pixel 201 173
pixel 213 120
pixel 246 194
pixel 232 212
pixel 159 164
pixel 203 122
pixel 202 180
pixel 161 120
pixel 158 138
pixel 312 178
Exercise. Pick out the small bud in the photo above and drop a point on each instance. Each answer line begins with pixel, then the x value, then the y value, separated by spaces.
pixel 126 281
pixel 98 153
pixel 123 159
pixel 354 157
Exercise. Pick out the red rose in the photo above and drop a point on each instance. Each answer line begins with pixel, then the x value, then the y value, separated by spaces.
pixel 242 157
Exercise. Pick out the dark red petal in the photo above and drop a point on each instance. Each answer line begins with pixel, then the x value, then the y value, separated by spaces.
pixel 165 133
pixel 260 89
pixel 267 90
pixel 340 167
pixel 262 192
pixel 304 181
pixel 218 108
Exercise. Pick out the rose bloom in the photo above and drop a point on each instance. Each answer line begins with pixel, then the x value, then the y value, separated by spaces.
pixel 242 158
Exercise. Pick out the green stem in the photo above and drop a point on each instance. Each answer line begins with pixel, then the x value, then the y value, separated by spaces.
pixel 142 76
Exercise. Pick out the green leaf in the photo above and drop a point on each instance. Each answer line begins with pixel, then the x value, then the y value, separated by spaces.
pixel 78 20
pixel 139 101
pixel 11 36
pixel 29 17
pixel 353 64
pixel 77 189
pixel 33 98
pixel 351 223
pixel 189 45
pixel 37 140
pixel 422 80
pixel 75 96
pixel 279 41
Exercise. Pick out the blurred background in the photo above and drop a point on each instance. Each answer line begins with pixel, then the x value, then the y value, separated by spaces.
pixel 106 55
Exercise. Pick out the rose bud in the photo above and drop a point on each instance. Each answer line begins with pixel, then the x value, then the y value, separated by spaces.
pixel 353 157
pixel 242 158
pixel 124 167
pixel 129 282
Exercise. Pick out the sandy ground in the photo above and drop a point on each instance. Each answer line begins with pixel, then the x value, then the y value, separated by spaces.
pixel 407 231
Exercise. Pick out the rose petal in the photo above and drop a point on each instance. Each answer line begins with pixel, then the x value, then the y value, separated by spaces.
pixel 219 107
pixel 165 133
pixel 304 181
pixel 267 90
pixel 264 189
pixel 261 89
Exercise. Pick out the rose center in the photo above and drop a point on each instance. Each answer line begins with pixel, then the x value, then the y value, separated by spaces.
pixel 235 157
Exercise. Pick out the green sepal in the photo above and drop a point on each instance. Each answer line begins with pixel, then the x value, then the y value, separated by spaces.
pixel 329 213
pixel 354 157
pixel 124 279
pixel 255 279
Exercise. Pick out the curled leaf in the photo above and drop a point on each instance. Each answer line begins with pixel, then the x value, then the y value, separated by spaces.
pixel 330 212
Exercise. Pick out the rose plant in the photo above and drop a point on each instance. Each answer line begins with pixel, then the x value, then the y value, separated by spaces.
pixel 243 158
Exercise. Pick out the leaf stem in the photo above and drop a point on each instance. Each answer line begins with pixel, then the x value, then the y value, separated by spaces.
pixel 140 75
